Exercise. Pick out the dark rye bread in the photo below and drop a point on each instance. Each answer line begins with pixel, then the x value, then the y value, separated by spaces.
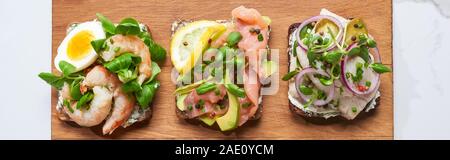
pixel 315 118
pixel 182 114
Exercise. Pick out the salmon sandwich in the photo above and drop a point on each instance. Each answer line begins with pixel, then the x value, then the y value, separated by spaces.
pixel 218 68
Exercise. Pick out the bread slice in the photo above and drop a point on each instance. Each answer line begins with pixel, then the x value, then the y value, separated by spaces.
pixel 182 114
pixel 319 115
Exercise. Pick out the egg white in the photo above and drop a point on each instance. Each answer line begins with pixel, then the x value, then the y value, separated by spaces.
pixel 96 29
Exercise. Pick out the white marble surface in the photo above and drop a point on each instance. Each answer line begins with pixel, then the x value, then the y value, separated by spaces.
pixel 25 42
pixel 422 69
pixel 421 64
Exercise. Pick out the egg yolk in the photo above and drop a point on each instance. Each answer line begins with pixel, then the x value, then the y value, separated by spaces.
pixel 80 45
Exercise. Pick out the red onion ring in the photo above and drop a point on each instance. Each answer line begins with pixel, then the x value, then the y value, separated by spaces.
pixel 299 80
pixel 351 86
pixel 316 19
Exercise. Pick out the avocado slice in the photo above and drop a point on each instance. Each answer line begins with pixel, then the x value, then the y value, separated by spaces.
pixel 230 120
pixel 353 29
pixel 208 120
pixel 180 102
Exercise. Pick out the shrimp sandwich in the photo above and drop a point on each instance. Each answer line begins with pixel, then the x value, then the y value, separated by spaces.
pixel 106 73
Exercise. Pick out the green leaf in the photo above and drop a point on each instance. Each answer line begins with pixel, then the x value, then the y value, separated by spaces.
pixel 158 53
pixel 131 86
pixel 66 68
pixel 311 57
pixel 298 62
pixel 126 75
pixel 53 80
pixel 233 38
pixel 289 75
pixel 380 68
pixel 304 30
pixel 86 98
pixel 145 96
pixel 128 26
pixel 371 43
pixel 145 35
pixel 75 92
pixel 326 81
pixel 294 52
pixel 354 51
pixel 155 71
pixel 362 39
pixel 205 87
pixel 359 73
pixel 119 63
pixel 294 49
pixel 336 70
pixel 365 54
pixel 66 103
pixel 320 94
pixel 333 57
pixel 235 90
pixel 107 25
pixel 305 90
pixel 98 45
pixel 122 62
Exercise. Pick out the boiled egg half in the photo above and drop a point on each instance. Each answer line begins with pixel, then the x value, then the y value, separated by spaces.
pixel 76 47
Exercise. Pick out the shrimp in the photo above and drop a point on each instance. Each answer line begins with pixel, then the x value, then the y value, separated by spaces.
pixel 97 111
pixel 119 44
pixel 123 104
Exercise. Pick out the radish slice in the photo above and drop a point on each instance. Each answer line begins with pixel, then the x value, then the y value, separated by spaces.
pixel 375 57
pixel 299 81
pixel 317 19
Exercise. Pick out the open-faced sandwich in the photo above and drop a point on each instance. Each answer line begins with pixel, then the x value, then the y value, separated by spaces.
pixel 106 73
pixel 217 65
pixel 334 67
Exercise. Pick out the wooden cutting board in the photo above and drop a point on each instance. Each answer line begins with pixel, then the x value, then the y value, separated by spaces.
pixel 277 121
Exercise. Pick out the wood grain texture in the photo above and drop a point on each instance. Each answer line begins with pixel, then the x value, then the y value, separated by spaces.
pixel 277 121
